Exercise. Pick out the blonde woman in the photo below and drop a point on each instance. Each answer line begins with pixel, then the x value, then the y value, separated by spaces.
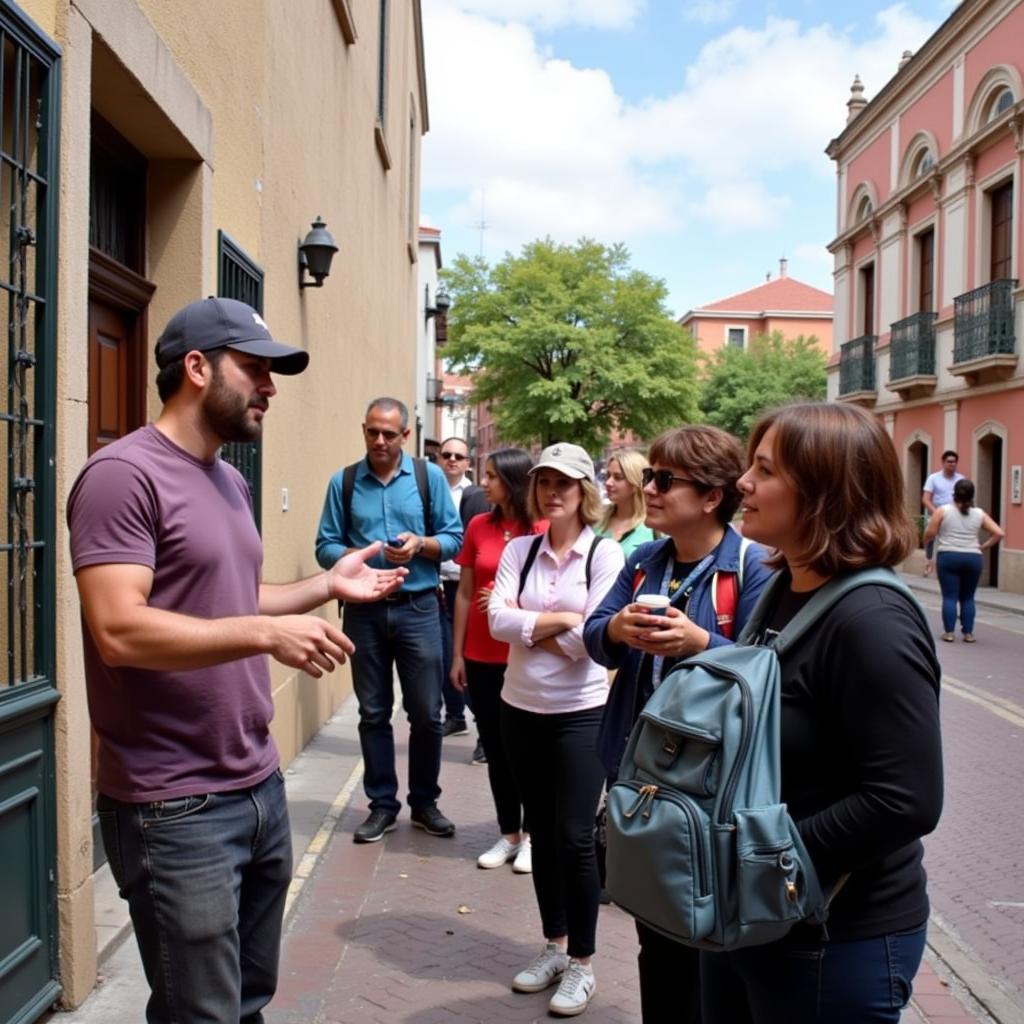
pixel 624 485
pixel 552 703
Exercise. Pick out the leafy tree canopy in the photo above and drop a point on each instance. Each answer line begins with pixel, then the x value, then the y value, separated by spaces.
pixel 568 343
pixel 741 383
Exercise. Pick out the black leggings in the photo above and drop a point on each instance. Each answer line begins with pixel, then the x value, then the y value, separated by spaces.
pixel 555 763
pixel 485 681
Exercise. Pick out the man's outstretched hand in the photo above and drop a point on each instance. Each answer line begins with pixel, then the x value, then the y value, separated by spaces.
pixel 351 579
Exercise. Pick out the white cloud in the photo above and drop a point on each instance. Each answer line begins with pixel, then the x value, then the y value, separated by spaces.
pixel 557 150
pixel 548 14
pixel 709 12
pixel 742 206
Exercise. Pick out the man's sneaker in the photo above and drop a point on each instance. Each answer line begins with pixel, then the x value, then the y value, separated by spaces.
pixel 433 822
pixel 523 864
pixel 575 990
pixel 374 828
pixel 479 756
pixel 500 853
pixel 545 969
pixel 455 727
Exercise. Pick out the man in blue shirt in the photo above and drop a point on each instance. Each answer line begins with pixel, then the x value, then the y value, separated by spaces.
pixel 385 503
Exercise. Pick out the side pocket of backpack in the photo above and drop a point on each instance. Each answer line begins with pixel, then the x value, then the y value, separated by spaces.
pixel 659 859
pixel 777 885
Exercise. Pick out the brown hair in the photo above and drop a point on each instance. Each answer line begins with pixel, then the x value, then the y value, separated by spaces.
pixel 591 507
pixel 710 457
pixel 850 512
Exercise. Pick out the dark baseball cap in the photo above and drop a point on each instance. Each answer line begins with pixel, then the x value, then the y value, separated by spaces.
pixel 225 323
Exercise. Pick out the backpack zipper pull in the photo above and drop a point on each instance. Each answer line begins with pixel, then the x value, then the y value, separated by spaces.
pixel 644 796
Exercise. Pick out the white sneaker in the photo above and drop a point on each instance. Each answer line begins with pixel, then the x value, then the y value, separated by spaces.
pixel 523 864
pixel 500 853
pixel 575 990
pixel 543 971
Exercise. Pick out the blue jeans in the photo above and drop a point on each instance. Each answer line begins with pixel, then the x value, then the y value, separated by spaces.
pixel 867 981
pixel 455 703
pixel 205 878
pixel 959 572
pixel 390 635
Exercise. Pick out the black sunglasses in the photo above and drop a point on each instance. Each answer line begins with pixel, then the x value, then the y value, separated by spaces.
pixel 663 479
pixel 454 455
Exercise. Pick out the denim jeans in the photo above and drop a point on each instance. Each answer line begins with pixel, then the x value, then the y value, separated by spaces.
pixel 867 981
pixel 205 878
pixel 455 703
pixel 959 572
pixel 390 635
pixel 555 764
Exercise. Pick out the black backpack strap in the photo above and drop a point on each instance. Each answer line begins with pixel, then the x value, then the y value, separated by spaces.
pixel 828 594
pixel 531 557
pixel 348 483
pixel 590 559
pixel 420 469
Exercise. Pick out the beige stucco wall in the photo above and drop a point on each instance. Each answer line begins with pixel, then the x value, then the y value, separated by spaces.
pixel 256 118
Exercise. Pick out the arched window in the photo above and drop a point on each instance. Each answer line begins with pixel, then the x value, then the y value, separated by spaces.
pixel 1000 103
pixel 865 209
pixel 923 163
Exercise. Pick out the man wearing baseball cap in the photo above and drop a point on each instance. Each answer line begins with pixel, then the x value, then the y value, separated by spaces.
pixel 177 623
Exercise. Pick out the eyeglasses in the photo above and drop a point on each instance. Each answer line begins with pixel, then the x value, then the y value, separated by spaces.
pixel 663 479
pixel 454 455
pixel 388 435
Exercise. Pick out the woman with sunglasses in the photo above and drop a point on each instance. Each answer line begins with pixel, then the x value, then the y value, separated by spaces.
pixel 551 711
pixel 624 519
pixel 861 752
pixel 478 660
pixel 712 578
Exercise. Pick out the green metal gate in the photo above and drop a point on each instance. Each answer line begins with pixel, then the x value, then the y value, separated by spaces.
pixel 29 134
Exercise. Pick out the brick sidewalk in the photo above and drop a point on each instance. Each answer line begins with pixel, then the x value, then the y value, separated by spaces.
pixel 410 930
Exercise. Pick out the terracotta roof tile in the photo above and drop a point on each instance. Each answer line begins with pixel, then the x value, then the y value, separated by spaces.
pixel 782 293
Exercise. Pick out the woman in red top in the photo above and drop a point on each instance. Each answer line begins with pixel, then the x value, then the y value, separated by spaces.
pixel 478 660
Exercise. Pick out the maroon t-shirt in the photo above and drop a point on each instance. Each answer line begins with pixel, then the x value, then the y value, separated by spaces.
pixel 143 500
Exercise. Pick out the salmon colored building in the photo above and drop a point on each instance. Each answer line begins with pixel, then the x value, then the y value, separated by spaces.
pixel 781 304
pixel 928 305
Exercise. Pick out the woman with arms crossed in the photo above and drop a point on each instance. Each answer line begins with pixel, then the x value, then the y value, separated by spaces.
pixel 551 710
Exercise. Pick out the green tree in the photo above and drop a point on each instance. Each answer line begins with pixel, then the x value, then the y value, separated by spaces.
pixel 740 384
pixel 568 343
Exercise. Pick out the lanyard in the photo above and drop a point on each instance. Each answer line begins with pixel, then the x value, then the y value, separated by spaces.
pixel 682 595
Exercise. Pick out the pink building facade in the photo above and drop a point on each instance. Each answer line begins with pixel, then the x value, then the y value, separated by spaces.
pixel 929 311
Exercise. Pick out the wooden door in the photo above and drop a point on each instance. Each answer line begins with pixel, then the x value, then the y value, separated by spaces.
pixel 1002 232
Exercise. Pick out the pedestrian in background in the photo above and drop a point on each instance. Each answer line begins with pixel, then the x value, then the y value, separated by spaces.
pixel 478 660
pixel 700 566
pixel 551 709
pixel 386 502
pixel 469 501
pixel 938 492
pixel 957 529
pixel 624 519
pixel 861 752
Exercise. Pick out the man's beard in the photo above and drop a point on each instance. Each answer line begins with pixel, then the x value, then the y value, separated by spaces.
pixel 226 412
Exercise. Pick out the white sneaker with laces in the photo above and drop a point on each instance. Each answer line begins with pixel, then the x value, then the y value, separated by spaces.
pixel 523 864
pixel 543 971
pixel 575 990
pixel 500 853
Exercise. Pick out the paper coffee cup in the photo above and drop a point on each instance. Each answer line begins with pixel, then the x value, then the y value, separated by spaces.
pixel 653 604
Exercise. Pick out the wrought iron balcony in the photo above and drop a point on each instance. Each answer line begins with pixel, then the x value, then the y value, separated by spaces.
pixel 983 322
pixel 857 365
pixel 912 347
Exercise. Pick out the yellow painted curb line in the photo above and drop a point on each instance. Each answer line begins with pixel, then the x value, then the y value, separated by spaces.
pixel 318 844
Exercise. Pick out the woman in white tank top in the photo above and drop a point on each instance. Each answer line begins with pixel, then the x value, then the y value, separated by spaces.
pixel 958 559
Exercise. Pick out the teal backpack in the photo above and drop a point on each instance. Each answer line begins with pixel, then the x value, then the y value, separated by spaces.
pixel 700 848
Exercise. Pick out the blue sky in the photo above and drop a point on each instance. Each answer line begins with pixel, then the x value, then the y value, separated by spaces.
pixel 691 130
